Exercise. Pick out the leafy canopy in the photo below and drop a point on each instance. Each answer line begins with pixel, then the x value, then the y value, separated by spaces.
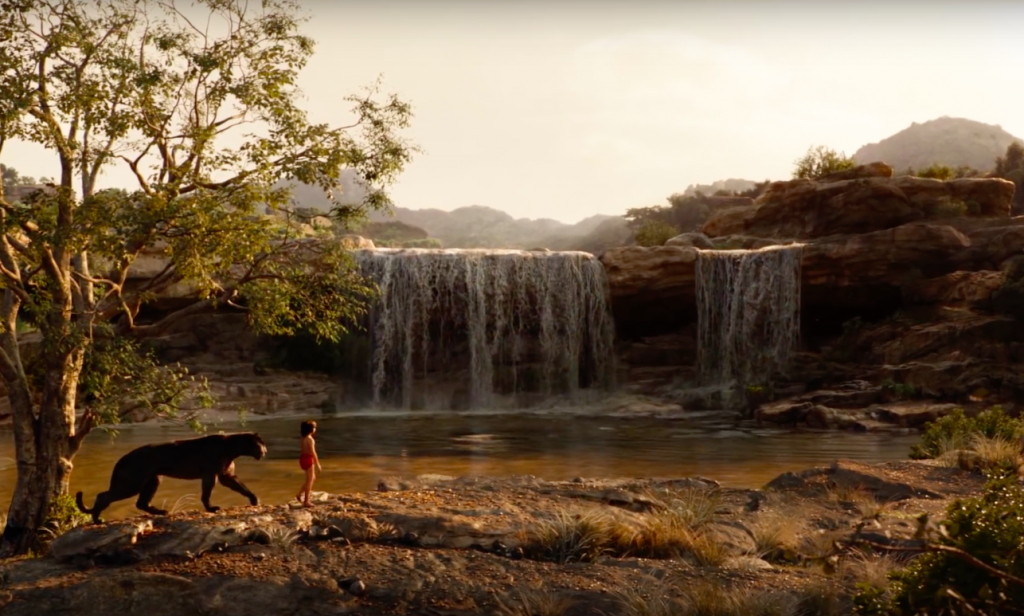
pixel 200 104
pixel 820 161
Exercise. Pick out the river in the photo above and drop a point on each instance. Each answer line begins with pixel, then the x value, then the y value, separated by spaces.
pixel 356 450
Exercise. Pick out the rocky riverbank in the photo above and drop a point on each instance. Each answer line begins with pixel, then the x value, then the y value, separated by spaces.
pixel 439 545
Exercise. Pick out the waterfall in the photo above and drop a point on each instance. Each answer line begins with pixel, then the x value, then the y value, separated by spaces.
pixel 748 304
pixel 494 327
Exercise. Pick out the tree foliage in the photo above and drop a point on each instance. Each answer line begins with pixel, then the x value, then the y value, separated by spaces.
pixel 201 105
pixel 1011 167
pixel 655 233
pixel 954 431
pixel 974 564
pixel 820 161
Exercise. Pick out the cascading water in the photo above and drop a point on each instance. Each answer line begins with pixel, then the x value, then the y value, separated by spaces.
pixel 748 304
pixel 500 327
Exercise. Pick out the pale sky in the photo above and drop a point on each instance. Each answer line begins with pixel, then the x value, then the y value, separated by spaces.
pixel 564 109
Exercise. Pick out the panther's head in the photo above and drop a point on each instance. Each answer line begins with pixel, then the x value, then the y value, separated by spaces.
pixel 258 448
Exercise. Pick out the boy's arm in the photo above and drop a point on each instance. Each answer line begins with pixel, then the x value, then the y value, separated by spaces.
pixel 316 458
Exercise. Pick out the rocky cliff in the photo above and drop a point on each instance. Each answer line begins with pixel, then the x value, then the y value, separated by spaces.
pixel 905 281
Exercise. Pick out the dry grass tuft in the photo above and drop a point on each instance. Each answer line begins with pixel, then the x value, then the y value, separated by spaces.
pixel 708 550
pixel 823 597
pixel 180 504
pixel 654 599
pixel 821 544
pixel 281 537
pixel 708 598
pixel 996 452
pixel 870 569
pixel 534 603
pixel 776 533
pixel 569 537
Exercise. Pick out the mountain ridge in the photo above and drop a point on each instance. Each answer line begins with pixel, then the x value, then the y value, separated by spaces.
pixel 947 140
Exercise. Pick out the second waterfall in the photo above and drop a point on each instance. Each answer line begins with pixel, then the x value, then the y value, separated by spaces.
pixel 487 328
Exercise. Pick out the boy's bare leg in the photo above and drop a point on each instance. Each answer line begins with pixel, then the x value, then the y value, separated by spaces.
pixel 307 487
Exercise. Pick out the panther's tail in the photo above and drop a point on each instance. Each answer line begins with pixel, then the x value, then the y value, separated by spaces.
pixel 81 505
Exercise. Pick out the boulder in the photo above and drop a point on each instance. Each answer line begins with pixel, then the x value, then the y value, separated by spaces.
pixel 912 414
pixel 356 242
pixel 993 196
pixel 691 240
pixel 850 475
pixel 858 200
pixel 806 209
pixel 728 221
pixel 93 541
pixel 967 289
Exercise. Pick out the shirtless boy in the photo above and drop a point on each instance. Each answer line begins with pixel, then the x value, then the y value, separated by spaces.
pixel 307 458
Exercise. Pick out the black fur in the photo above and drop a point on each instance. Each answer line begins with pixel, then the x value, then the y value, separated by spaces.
pixel 208 458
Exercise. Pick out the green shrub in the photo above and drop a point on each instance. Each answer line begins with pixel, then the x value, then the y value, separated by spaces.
pixel 900 391
pixel 820 161
pixel 956 430
pixel 936 171
pixel 655 233
pixel 948 207
pixel 989 528
pixel 62 517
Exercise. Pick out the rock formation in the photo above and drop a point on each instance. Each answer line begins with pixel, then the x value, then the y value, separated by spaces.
pixel 903 280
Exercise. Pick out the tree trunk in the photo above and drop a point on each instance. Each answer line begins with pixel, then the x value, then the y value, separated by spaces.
pixel 43 452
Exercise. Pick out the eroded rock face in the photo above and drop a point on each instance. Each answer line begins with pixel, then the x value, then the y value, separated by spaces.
pixel 651 286
pixel 859 200
pixel 653 289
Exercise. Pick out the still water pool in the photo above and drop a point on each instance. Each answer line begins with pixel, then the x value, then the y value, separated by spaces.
pixel 357 450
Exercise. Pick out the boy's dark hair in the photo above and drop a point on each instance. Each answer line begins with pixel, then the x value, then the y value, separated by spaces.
pixel 307 427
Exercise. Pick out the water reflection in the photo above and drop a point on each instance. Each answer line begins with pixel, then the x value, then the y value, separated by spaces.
pixel 357 450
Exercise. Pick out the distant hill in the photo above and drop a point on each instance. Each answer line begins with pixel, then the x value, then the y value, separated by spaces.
pixel 730 185
pixel 475 226
pixel 349 191
pixel 948 141
pixel 479 226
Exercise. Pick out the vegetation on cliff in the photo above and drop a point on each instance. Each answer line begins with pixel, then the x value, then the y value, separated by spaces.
pixel 136 83
pixel 820 161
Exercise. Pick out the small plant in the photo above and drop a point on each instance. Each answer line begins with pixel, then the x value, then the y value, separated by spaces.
pixel 569 537
pixel 957 429
pixel 382 531
pixel 694 507
pixel 947 207
pixel 823 597
pixel 707 550
pixel 655 233
pixel 654 599
pixel 179 504
pixel 776 535
pixel 989 453
pixel 852 326
pixel 973 564
pixel 900 391
pixel 534 603
pixel 281 537
pixel 935 171
pixel 712 598
pixel 62 517
pixel 870 570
